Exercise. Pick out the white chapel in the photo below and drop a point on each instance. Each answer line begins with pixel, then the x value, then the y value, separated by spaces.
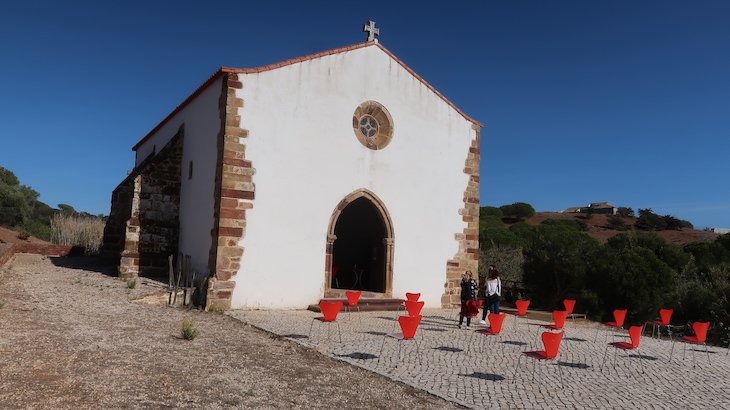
pixel 299 180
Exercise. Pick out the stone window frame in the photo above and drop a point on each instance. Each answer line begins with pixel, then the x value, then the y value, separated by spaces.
pixel 383 119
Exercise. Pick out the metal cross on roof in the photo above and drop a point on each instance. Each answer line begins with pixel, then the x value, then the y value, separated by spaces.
pixel 372 31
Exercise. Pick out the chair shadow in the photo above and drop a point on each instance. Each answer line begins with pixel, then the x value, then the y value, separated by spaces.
pixel 701 351
pixel 358 355
pixel 485 376
pixel 448 349
pixel 514 343
pixel 643 356
pixel 374 333
pixel 573 365
pixel 294 336
pixel 575 339
pixel 385 318
pixel 433 329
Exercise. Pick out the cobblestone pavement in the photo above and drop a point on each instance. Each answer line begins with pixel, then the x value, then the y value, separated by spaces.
pixel 479 371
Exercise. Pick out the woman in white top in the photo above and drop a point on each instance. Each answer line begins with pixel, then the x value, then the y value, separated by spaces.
pixel 492 293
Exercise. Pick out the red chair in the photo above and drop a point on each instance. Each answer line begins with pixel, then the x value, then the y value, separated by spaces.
pixel 665 315
pixel 619 316
pixel 522 306
pixel 569 305
pixel 495 325
pixel 559 317
pixel 414 308
pixel 329 315
pixel 410 297
pixel 551 343
pixel 408 326
pixel 635 336
pixel 700 337
pixel 353 301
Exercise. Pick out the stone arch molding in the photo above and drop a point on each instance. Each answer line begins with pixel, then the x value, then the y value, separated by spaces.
pixel 389 241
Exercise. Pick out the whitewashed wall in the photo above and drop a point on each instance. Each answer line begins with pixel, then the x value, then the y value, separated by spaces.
pixel 308 159
pixel 202 124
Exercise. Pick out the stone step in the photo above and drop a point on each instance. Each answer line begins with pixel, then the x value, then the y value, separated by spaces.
pixel 366 304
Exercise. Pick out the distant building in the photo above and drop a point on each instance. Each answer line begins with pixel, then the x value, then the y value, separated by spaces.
pixel 721 231
pixel 593 208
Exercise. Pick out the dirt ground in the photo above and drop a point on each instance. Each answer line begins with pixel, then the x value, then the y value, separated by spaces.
pixel 73 336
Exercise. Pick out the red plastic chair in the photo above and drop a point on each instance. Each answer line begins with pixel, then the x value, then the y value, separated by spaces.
pixel 521 306
pixel 665 316
pixel 495 325
pixel 700 337
pixel 329 315
pixel 559 317
pixel 551 342
pixel 635 337
pixel 353 301
pixel 408 326
pixel 569 305
pixel 619 316
pixel 410 297
pixel 414 308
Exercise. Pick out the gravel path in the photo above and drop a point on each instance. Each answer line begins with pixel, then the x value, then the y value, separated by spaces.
pixel 73 336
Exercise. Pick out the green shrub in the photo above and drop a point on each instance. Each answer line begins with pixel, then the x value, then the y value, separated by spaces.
pixel 188 330
pixel 490 211
pixel 517 211
pixel 2 303
pixel 23 235
pixel 131 284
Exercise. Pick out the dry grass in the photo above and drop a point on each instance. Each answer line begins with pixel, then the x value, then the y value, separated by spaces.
pixel 73 230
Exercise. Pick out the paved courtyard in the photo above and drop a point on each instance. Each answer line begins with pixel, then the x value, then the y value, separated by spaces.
pixel 478 371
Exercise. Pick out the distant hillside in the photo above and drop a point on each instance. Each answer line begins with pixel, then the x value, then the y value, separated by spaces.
pixel 599 227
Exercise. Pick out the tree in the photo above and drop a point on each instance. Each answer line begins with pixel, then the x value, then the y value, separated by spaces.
pixel 556 262
pixel 7 177
pixel 625 212
pixel 517 211
pixel 67 209
pixel 490 211
pixel 633 278
pixel 649 221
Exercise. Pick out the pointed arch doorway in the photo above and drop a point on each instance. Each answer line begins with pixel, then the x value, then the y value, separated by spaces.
pixel 359 253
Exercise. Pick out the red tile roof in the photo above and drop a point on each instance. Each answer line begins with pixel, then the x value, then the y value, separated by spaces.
pixel 269 67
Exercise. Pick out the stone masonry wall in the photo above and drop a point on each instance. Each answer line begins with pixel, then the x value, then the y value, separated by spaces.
pixel 115 230
pixel 143 226
pixel 467 258
pixel 234 194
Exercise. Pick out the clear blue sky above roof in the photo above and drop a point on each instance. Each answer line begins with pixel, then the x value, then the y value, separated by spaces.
pixel 583 101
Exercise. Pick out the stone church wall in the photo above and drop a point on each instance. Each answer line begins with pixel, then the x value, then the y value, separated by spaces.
pixel 143 226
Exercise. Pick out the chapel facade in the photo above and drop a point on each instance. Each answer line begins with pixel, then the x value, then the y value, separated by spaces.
pixel 299 180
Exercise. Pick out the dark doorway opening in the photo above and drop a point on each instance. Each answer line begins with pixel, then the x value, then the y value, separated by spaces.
pixel 358 253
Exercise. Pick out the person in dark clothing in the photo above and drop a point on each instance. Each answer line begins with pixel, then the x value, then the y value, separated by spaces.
pixel 468 293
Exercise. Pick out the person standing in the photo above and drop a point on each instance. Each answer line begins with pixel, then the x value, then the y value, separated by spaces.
pixel 468 299
pixel 492 293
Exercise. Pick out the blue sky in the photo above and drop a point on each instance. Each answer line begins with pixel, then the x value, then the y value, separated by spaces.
pixel 583 101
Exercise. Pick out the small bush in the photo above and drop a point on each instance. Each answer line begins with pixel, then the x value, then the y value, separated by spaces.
pixel 131 284
pixel 188 330
pixel 2 303
pixel 23 235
